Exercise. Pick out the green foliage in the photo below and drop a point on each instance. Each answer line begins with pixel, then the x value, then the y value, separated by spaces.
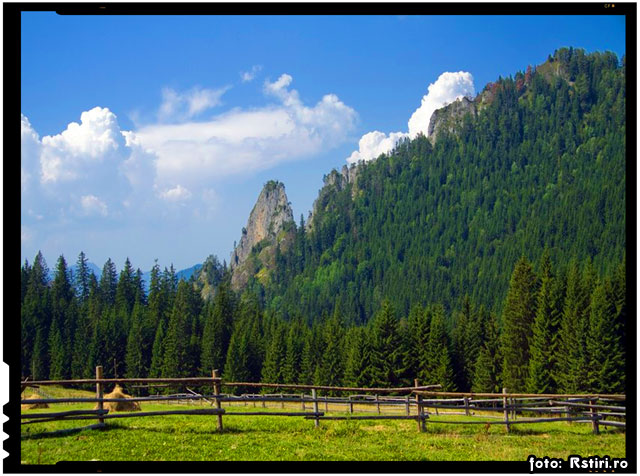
pixel 518 315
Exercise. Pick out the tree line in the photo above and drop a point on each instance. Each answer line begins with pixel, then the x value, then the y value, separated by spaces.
pixel 560 330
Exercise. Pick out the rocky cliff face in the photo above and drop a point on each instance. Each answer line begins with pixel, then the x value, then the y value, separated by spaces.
pixel 450 117
pixel 337 180
pixel 271 215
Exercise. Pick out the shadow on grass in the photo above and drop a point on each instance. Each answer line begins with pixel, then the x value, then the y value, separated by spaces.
pixel 73 432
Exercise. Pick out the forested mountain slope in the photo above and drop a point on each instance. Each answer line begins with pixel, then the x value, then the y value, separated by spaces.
pixel 542 164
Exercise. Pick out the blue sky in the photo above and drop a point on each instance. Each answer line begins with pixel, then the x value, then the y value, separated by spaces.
pixel 181 120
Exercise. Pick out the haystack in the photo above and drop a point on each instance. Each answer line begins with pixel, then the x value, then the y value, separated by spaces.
pixel 119 406
pixel 33 406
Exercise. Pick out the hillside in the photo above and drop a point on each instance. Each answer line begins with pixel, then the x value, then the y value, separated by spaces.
pixel 536 160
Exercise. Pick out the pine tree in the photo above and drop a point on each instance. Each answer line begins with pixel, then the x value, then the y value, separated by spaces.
pixel 518 315
pixel 387 349
pixel 177 362
pixel 63 316
pixel 216 334
pixel 237 362
pixel 439 367
pixel 274 357
pixel 420 328
pixel 82 278
pixel 108 283
pixel 293 353
pixel 35 314
pixel 331 368
pixel 356 363
pixel 157 354
pixel 543 348
pixel 134 358
pixel 605 367
pixel 571 368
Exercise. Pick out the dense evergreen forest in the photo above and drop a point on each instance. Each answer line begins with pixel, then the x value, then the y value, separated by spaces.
pixel 560 330
pixel 543 164
pixel 494 257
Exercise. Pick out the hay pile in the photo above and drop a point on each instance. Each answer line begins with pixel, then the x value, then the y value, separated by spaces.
pixel 33 406
pixel 119 406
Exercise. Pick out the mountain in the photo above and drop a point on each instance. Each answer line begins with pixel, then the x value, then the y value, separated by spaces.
pixel 268 232
pixel 534 161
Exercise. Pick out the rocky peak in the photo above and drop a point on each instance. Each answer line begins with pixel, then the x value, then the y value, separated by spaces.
pixel 268 217
pixel 450 117
pixel 337 180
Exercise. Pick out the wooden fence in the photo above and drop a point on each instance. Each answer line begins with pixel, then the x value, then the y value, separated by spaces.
pixel 417 403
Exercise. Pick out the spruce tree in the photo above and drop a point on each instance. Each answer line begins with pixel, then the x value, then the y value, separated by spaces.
pixel 177 361
pixel 82 278
pixel 605 367
pixel 387 349
pixel 157 353
pixel 543 348
pixel 518 316
pixel 439 367
pixel 571 368
pixel 108 283
pixel 217 329
pixel 134 358
pixel 274 357
pixel 331 368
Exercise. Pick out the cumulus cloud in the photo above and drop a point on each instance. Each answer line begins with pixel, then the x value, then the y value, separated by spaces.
pixel 250 75
pixel 372 144
pixel 70 154
pixel 447 88
pixel 92 205
pixel 178 106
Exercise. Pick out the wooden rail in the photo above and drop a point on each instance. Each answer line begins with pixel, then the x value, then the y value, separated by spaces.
pixel 504 408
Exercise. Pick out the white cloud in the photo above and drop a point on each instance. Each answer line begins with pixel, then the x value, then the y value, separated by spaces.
pixel 78 149
pixel 250 75
pixel 176 194
pixel 372 144
pixel 29 152
pixel 447 88
pixel 95 172
pixel 92 205
pixel 178 106
pixel 245 141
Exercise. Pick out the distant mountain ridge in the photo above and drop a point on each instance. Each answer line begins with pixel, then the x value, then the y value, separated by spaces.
pixel 146 276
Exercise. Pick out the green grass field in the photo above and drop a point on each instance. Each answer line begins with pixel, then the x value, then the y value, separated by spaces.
pixel 250 438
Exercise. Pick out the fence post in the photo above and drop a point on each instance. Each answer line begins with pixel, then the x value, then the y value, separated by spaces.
pixel 350 405
pixel 326 404
pixel 216 389
pixel 421 424
pixel 315 406
pixel 506 410
pixel 408 406
pixel 594 419
pixel 378 403
pixel 302 400
pixel 99 392
pixel 466 406
pixel 282 402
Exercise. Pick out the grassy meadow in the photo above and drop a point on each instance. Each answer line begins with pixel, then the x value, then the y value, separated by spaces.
pixel 251 438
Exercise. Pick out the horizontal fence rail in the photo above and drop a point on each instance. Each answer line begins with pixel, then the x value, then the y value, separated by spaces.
pixel 409 403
